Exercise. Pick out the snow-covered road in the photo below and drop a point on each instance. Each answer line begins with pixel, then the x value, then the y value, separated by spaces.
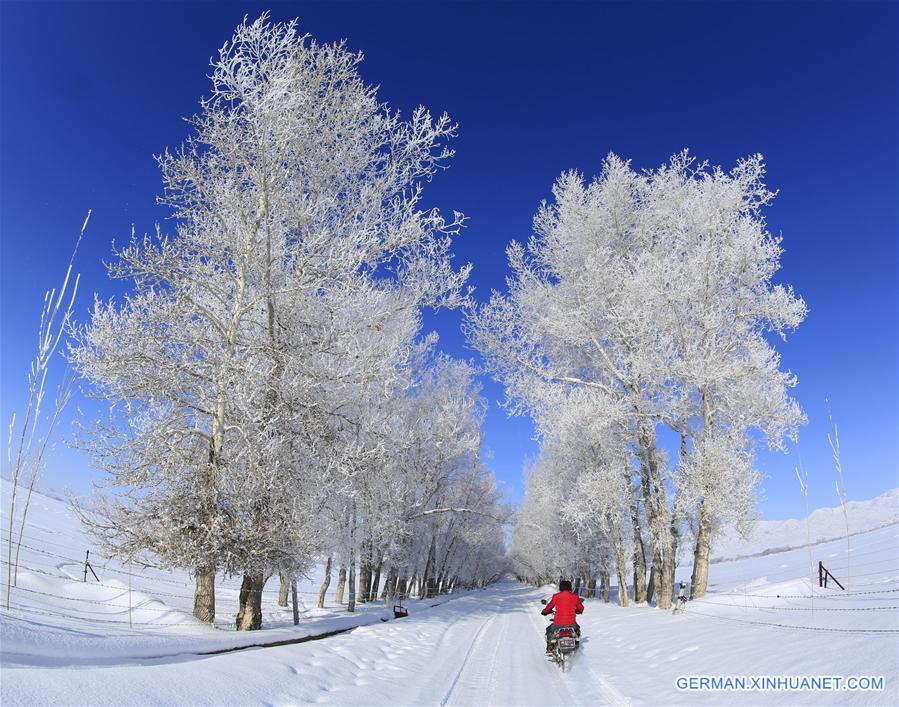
pixel 492 654
pixel 69 642
pixel 482 648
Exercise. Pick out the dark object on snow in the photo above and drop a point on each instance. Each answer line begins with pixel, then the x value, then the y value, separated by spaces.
pixel 561 644
pixel 823 574
pixel 399 612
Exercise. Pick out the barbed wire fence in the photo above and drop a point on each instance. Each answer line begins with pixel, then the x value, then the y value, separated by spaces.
pixel 124 601
pixel 167 603
pixel 879 596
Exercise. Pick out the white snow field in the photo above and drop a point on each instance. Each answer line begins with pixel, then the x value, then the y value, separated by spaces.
pixel 823 524
pixel 65 641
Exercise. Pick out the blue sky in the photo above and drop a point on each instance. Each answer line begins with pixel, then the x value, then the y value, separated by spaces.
pixel 90 91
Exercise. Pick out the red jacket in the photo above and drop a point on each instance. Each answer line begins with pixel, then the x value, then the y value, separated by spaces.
pixel 566 604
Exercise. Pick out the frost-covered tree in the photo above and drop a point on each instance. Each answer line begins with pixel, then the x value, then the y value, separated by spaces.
pixel 419 506
pixel 542 549
pixel 719 306
pixel 652 293
pixel 230 365
pixel 449 494
pixel 577 315
pixel 583 469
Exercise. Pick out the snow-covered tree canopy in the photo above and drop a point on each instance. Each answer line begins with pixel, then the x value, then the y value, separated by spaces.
pixel 646 299
pixel 261 365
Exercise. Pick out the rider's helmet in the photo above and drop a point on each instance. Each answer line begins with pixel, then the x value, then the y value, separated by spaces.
pixel 564 586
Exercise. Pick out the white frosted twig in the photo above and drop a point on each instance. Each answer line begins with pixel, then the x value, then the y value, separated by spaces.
pixel 802 476
pixel 841 491
pixel 50 332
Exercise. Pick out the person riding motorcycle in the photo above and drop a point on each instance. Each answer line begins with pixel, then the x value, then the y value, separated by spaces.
pixel 566 605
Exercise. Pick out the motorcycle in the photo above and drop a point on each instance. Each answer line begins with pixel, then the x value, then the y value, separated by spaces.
pixel 566 642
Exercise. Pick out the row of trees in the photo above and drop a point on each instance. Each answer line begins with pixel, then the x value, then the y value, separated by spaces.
pixel 643 310
pixel 272 401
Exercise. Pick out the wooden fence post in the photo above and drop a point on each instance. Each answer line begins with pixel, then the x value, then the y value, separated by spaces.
pixel 823 574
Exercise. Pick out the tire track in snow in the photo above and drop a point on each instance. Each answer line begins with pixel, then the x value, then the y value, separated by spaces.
pixel 477 680
pixel 504 664
pixel 471 648
pixel 595 690
pixel 610 694
pixel 559 678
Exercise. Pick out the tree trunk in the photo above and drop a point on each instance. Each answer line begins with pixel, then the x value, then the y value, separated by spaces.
pixel 590 592
pixel 675 537
pixel 249 615
pixel 659 516
pixel 373 593
pixel 639 556
pixel 700 580
pixel 364 579
pixel 401 588
pixel 283 590
pixel 443 574
pixel 341 583
pixel 325 584
pixel 675 515
pixel 605 585
pixel 351 604
pixel 204 594
pixel 429 567
pixel 621 571
pixel 577 585
pixel 389 585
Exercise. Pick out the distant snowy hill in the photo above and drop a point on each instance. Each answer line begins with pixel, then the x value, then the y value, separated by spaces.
pixel 824 524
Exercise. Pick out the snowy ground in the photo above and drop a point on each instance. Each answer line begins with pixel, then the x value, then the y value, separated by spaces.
pixel 56 616
pixel 68 642
pixel 823 525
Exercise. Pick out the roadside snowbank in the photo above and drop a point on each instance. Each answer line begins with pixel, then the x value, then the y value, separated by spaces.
pixel 57 618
